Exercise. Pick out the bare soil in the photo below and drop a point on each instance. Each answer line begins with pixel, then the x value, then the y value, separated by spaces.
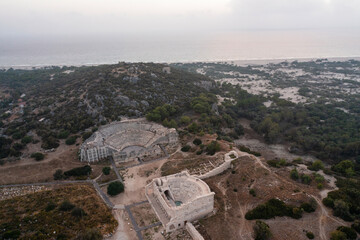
pixel 233 201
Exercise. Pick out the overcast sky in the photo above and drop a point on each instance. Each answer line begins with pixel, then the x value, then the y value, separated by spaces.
pixel 51 17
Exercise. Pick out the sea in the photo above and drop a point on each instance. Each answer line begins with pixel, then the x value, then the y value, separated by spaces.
pixel 74 50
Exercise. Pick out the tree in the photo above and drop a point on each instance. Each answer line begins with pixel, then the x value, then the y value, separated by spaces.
pixel 66 206
pixel 38 156
pixel 294 175
pixel 261 231
pixel 350 233
pixel 115 188
pixel 345 167
pixel 106 170
pixel 185 120
pixel 197 141
pixel 90 234
pixel 78 212
pixel 316 165
pixel 337 235
pixel 310 235
pixel 341 209
pixel 58 175
pixel 71 140
pixel 213 147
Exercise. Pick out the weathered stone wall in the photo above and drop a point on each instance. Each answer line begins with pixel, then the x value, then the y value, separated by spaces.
pixel 223 167
pixel 193 232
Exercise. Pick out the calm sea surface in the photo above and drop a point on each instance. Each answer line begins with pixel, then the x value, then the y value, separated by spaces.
pixel 247 45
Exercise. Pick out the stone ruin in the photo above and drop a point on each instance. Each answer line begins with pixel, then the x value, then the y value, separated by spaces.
pixel 179 199
pixel 128 140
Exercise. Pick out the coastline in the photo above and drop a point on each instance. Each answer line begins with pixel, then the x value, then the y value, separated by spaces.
pixel 241 62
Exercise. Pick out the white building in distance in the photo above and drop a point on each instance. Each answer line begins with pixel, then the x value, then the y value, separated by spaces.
pixel 128 140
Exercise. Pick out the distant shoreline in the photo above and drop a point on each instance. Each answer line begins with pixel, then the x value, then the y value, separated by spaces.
pixel 244 62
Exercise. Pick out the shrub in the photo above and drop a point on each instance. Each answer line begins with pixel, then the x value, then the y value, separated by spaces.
pixel 80 171
pixel 310 235
pixel 252 192
pixel 106 170
pixel 277 163
pixel 199 152
pixel 115 188
pixel 185 148
pixel 320 186
pixel 50 206
pixel 185 120
pixel 306 179
pixel 261 231
pixel 26 140
pixel 12 234
pixel 316 166
pixel 63 134
pixel 86 135
pixel 341 209
pixel 294 175
pixel 197 141
pixel 78 212
pixel 58 174
pixel 350 233
pixel 212 148
pixel 307 207
pixel 66 206
pixel 90 234
pixel 328 201
pixel 38 156
pixel 71 140
pixel 356 226
pixel 337 235
pixel 273 208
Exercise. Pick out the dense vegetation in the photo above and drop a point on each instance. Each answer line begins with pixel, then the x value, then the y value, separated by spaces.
pixel 65 102
pixel 277 208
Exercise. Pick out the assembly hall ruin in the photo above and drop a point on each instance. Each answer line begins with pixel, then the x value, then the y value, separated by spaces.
pixel 128 140
pixel 179 199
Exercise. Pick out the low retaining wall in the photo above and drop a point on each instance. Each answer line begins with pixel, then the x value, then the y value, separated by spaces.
pixel 226 165
pixel 193 232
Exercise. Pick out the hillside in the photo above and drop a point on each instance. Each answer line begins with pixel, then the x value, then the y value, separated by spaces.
pixel 52 103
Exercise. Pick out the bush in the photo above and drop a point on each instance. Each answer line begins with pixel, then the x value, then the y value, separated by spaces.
pixel 337 235
pixel 277 163
pixel 90 234
pixel 294 175
pixel 307 207
pixel 50 206
pixel 12 234
pixel 197 141
pixel 106 170
pixel 185 148
pixel 310 235
pixel 78 212
pixel 185 120
pixel 80 171
pixel 38 156
pixel 71 140
pixel 26 140
pixel 306 179
pixel 261 231
pixel 273 208
pixel 350 233
pixel 328 202
pixel 252 192
pixel 356 226
pixel 58 175
pixel 66 206
pixel 115 188
pixel 316 166
pixel 86 135
pixel 63 134
pixel 212 148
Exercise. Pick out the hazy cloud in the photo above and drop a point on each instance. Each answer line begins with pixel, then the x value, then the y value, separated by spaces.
pixel 123 16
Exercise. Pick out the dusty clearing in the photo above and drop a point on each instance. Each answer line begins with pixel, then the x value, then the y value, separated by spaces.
pixel 233 200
